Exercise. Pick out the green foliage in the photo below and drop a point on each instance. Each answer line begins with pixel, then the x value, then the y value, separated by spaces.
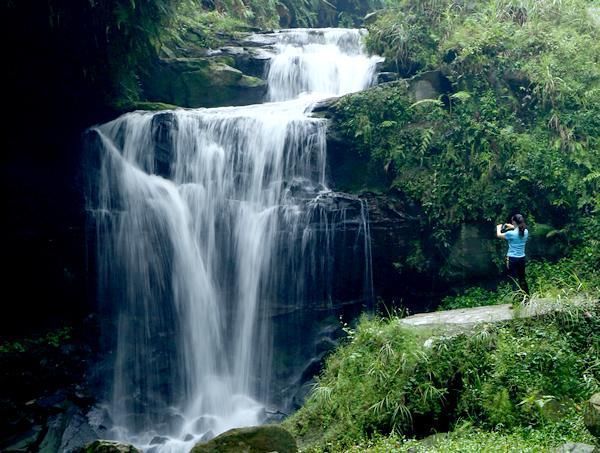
pixel 523 381
pixel 468 439
pixel 477 297
pixel 54 339
pixel 518 130
pixel 214 20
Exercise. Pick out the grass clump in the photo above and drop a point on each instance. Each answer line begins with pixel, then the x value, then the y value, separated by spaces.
pixel 468 439
pixel 518 384
pixel 478 297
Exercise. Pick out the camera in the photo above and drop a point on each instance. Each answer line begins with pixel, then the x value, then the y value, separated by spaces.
pixel 504 228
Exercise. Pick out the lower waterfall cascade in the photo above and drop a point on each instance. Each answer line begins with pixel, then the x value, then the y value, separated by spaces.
pixel 209 224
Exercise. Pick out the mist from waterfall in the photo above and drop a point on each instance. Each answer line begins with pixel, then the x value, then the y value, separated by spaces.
pixel 206 220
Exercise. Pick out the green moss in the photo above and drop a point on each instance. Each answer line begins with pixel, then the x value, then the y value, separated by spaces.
pixel 127 106
pixel 251 82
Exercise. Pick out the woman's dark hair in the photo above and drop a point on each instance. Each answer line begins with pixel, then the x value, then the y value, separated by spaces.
pixel 520 221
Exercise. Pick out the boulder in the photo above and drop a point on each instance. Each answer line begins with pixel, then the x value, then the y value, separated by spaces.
pixel 108 446
pixel 77 433
pixel 159 440
pixel 576 447
pixel 429 85
pixel 255 439
pixel 471 255
pixel 592 415
pixel 202 82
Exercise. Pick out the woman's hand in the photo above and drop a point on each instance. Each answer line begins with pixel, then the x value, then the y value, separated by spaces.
pixel 499 233
pixel 501 228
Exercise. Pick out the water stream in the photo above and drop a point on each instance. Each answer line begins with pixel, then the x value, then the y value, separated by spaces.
pixel 209 222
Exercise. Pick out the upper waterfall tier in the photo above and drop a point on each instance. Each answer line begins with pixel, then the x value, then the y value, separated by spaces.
pixel 325 62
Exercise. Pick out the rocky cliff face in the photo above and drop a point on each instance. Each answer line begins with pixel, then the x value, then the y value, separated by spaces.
pixel 408 268
pixel 202 82
pixel 192 76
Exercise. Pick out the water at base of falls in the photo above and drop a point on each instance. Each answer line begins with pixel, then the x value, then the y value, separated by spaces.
pixel 210 222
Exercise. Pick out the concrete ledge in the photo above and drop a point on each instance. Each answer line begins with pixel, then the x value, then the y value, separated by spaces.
pixel 468 317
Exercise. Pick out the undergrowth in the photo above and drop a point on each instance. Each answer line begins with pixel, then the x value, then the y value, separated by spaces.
pixel 519 384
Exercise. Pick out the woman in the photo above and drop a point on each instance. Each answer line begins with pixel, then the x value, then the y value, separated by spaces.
pixel 516 236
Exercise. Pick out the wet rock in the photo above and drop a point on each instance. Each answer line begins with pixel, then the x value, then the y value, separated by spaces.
pixel 55 427
pixel 429 85
pixel 208 435
pixel 164 130
pixel 202 82
pixel 592 415
pixel 256 439
pixel 323 108
pixel 77 433
pixel 324 345
pixel 204 423
pixel 252 62
pixel 159 440
pixel 387 76
pixel 108 446
pixel 312 368
pixel 23 442
pixel 274 416
pixel 188 437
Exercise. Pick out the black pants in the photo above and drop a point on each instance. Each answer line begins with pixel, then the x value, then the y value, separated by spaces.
pixel 516 270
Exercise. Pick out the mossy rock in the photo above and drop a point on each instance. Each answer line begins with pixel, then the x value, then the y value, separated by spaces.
pixel 592 415
pixel 255 439
pixel 129 106
pixel 202 82
pixel 108 446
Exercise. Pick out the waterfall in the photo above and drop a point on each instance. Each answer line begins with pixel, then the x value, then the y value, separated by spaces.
pixel 210 222
pixel 326 63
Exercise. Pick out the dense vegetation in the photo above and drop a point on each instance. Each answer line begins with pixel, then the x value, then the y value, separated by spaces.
pixel 517 129
pixel 520 385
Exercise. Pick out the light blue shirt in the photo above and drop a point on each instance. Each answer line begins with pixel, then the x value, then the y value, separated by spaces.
pixel 516 243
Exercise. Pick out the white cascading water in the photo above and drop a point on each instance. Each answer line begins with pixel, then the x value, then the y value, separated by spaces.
pixel 198 215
